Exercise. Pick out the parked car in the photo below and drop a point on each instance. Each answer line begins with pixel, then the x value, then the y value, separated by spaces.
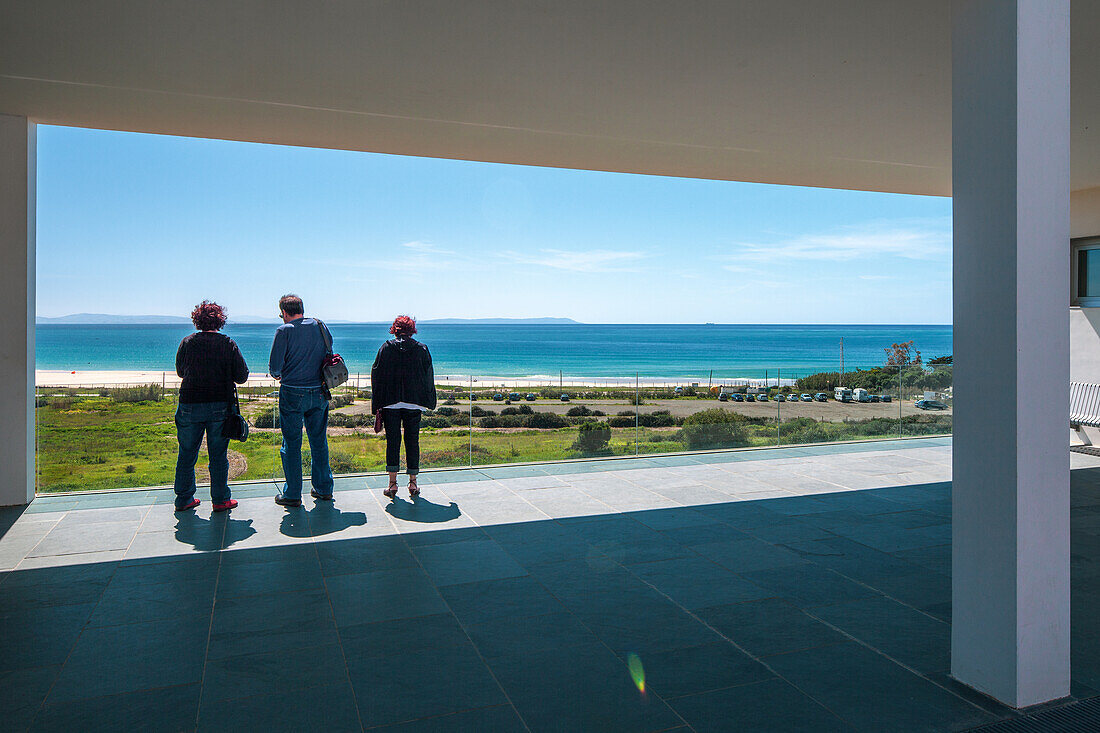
pixel 807 398
pixel 781 398
pixel 930 405
pixel 876 398
pixel 514 396
pixel 750 398
pixel 531 397
pixel 473 396
pixel 498 397
pixel 679 390
pixel 738 397
pixel 723 397
pixel 887 398
pixel 821 397
pixel 564 398
pixel 761 398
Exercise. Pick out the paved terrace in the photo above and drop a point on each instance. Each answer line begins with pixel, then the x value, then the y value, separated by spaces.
pixel 796 589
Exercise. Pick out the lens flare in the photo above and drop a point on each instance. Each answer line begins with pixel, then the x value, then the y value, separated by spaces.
pixel 637 673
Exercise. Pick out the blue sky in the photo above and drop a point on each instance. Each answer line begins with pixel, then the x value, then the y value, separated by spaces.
pixel 148 224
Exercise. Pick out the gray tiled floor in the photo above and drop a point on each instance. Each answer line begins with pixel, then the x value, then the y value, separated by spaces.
pixel 803 589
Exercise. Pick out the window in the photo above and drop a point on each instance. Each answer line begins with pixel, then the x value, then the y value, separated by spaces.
pixel 1086 272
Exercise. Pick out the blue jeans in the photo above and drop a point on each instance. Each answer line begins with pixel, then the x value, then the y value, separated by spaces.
pixel 298 407
pixel 193 420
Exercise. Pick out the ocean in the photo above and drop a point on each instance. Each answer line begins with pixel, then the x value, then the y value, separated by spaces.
pixel 659 351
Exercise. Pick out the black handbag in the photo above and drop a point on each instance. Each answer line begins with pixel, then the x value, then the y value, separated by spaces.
pixel 334 372
pixel 235 426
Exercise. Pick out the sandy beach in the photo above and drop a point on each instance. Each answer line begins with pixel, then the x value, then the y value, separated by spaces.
pixel 115 378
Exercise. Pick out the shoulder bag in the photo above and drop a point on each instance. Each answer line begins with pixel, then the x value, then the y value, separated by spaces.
pixel 334 372
pixel 235 426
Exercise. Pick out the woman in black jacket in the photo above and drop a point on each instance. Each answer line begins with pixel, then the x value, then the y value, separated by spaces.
pixel 402 386
pixel 209 364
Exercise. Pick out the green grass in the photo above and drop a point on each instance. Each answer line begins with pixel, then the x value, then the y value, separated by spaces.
pixel 91 442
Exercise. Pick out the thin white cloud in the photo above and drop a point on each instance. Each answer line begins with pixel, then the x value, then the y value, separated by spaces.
pixel 914 240
pixel 591 260
pixel 426 247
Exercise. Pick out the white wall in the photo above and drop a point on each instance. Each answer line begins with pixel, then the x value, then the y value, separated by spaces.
pixel 17 276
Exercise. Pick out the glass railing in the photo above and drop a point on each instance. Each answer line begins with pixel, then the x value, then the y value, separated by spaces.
pixel 111 436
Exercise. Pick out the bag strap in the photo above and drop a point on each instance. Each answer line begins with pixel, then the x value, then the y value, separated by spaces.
pixel 325 335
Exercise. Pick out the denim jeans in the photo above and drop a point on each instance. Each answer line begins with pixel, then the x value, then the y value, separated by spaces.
pixel 298 407
pixel 394 420
pixel 193 420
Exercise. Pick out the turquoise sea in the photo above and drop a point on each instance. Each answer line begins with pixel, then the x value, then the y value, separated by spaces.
pixel 665 351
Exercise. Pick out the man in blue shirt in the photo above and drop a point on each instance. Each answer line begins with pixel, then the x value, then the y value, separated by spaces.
pixel 297 358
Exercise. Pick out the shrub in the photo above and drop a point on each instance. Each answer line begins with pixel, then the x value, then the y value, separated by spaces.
pixel 545 420
pixel 625 413
pixel 141 393
pixel 592 438
pixel 598 413
pixel 265 418
pixel 621 421
pixel 446 411
pixel 656 420
pixel 510 411
pixel 450 401
pixel 341 400
pixel 460 420
pixel 435 422
pixel 341 461
pixel 714 428
pixel 490 421
pixel 578 411
pixel 478 412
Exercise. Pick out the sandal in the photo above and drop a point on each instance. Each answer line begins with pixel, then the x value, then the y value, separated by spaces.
pixel 414 490
pixel 392 490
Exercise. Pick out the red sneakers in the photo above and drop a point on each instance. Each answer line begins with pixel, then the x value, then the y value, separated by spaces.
pixel 194 503
pixel 221 506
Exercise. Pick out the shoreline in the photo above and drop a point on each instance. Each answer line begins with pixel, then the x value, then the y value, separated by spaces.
pixel 122 378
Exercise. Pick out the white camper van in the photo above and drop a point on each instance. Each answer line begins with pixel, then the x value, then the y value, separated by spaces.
pixel 842 394
pixel 861 395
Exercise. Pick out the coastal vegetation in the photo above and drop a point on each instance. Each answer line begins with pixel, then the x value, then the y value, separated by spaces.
pixel 121 438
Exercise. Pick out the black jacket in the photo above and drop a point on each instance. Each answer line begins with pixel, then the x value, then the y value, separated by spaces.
pixel 209 364
pixel 402 372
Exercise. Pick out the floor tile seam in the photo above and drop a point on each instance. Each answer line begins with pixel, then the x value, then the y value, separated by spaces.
pixel 518 496
pixel 568 609
pixel 68 656
pixel 761 660
pixel 465 632
pixel 879 592
pixel 85 700
pixel 210 629
pixel 439 716
pixel 899 663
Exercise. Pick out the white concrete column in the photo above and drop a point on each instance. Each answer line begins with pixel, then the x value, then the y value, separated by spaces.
pixel 1010 620
pixel 17 281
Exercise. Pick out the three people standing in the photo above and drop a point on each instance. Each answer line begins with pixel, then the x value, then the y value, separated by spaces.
pixel 402 387
pixel 210 365
pixel 298 357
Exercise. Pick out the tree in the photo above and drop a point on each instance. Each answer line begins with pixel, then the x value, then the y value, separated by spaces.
pixel 902 354
pixel 942 360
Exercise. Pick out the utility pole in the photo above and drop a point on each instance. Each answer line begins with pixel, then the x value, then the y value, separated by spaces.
pixel 841 362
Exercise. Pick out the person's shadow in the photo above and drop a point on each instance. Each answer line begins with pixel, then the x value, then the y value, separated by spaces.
pixel 210 535
pixel 422 510
pixel 323 518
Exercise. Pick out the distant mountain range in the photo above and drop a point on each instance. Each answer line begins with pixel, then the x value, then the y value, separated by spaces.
pixel 114 320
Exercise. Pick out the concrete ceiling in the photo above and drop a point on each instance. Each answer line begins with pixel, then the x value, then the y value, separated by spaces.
pixel 844 94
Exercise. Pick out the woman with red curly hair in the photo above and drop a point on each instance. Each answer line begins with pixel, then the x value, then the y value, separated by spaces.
pixel 402 387
pixel 209 363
